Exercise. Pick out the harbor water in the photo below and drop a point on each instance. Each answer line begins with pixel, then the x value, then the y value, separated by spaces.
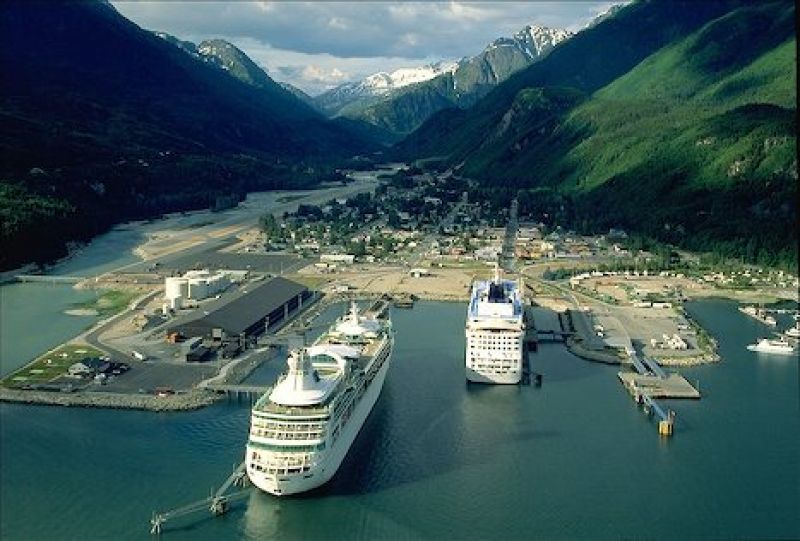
pixel 440 459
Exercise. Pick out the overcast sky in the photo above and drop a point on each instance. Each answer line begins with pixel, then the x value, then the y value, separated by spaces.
pixel 318 45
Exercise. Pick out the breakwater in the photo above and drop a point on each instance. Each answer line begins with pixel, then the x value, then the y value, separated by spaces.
pixel 190 400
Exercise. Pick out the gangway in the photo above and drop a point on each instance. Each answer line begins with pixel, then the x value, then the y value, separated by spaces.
pixel 637 364
pixel 646 366
pixel 218 503
pixel 666 418
pixel 240 389
pixel 654 367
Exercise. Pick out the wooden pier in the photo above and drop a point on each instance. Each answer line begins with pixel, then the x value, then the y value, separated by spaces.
pixel 217 504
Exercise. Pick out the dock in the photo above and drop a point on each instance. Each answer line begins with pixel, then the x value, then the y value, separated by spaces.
pixel 650 382
pixel 238 391
pixel 217 504
pixel 672 386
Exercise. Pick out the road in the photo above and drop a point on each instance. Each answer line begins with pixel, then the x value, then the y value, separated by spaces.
pixel 234 221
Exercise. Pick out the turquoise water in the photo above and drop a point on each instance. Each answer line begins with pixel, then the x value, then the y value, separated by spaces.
pixel 32 320
pixel 440 459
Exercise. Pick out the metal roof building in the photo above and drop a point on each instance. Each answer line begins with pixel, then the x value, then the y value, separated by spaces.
pixel 250 314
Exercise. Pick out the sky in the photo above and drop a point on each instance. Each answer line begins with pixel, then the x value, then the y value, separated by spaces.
pixel 319 45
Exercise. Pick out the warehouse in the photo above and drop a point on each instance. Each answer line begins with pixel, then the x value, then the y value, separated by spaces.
pixel 262 309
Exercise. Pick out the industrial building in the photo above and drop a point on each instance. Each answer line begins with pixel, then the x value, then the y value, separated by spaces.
pixel 195 285
pixel 249 315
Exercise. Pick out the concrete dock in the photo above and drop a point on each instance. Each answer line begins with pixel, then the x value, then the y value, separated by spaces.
pixel 671 386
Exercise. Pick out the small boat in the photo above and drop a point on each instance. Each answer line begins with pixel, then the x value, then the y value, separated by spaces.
pixel 777 346
pixel 793 332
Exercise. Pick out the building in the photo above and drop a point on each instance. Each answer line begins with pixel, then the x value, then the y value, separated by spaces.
pixel 338 258
pixel 196 285
pixel 262 309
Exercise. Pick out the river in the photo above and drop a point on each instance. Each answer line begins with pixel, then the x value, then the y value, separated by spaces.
pixel 32 318
pixel 440 459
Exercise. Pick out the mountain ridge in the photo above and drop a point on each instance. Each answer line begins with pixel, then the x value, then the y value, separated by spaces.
pixel 93 135
pixel 692 144
pixel 459 84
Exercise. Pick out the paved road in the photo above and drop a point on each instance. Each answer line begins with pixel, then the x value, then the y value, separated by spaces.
pixel 210 238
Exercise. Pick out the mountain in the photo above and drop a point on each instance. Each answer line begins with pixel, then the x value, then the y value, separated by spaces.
pixel 399 108
pixel 299 94
pixel 378 85
pixel 225 55
pixel 103 122
pixel 673 120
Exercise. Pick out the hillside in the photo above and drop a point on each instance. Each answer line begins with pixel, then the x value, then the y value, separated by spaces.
pixel 694 143
pixel 103 122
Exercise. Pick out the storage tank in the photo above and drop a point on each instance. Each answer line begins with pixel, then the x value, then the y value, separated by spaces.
pixel 175 287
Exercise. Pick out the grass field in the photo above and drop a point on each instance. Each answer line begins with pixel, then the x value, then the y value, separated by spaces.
pixel 110 302
pixel 311 282
pixel 50 365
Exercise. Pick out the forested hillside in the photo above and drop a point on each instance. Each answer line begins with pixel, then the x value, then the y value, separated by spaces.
pixel 694 144
pixel 103 121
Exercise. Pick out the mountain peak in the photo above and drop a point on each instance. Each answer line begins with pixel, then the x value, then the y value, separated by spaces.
pixel 533 40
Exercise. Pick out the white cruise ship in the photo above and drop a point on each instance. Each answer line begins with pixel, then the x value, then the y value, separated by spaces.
pixel 495 332
pixel 301 430
pixel 778 347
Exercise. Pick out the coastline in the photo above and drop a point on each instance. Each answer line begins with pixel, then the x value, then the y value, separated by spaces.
pixel 191 400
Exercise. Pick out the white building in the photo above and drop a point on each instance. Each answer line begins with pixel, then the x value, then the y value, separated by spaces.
pixel 338 258
pixel 196 285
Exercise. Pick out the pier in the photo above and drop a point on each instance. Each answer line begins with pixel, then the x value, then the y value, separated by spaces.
pixel 650 382
pixel 240 390
pixel 552 335
pixel 217 504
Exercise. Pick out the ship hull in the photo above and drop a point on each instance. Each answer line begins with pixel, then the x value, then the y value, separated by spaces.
pixel 783 352
pixel 328 465
pixel 510 378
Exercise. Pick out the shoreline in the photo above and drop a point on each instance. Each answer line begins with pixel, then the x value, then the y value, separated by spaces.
pixel 189 401
pixel 199 397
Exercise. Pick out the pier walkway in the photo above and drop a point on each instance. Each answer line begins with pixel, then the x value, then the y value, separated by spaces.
pixel 240 389
pixel 218 503
pixel 646 367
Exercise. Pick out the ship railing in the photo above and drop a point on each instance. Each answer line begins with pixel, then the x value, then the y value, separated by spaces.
pixel 306 436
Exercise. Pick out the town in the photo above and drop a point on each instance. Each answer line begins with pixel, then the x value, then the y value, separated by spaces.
pixel 198 317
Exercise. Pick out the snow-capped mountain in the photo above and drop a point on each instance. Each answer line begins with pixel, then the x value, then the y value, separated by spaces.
pixel 381 84
pixel 608 13
pixel 533 41
pixel 401 100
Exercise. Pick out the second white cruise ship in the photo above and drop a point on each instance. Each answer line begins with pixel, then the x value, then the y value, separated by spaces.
pixel 301 431
pixel 495 332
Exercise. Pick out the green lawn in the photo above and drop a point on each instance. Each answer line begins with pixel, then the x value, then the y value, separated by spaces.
pixel 110 302
pixel 50 365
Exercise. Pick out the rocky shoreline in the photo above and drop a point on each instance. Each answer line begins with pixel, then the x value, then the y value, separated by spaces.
pixel 191 400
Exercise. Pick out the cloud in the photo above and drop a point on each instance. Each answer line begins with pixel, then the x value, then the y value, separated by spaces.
pixel 358 29
pixel 339 24
pixel 357 38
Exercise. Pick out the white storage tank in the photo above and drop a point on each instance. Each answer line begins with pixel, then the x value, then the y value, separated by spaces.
pixel 175 287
